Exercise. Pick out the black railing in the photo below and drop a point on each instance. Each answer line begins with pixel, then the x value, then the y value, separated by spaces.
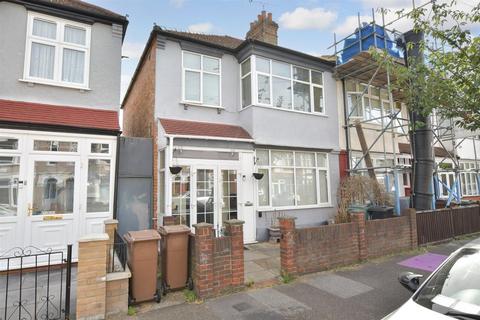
pixel 117 252
pixel 46 272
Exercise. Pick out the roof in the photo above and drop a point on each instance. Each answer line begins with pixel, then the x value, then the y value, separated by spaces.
pixel 221 40
pixel 77 7
pixel 81 5
pixel 54 115
pixel 439 151
pixel 203 129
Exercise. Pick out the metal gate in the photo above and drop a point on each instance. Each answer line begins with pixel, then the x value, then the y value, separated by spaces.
pixel 35 284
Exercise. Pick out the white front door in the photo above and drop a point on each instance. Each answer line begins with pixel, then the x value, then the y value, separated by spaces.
pixel 215 194
pixel 53 201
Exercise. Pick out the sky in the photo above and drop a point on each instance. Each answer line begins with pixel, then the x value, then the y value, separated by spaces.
pixel 305 25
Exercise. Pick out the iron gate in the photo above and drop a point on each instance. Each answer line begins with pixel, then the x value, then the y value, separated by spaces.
pixel 35 284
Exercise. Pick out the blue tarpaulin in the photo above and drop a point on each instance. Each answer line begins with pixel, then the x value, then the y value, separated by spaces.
pixel 372 36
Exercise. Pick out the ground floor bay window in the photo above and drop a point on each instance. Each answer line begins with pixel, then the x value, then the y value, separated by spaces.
pixel 292 179
pixel 54 187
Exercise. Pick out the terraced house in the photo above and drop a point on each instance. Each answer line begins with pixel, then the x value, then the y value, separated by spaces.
pixel 242 128
pixel 59 101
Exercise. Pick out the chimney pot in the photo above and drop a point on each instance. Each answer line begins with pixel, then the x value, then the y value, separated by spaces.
pixel 264 29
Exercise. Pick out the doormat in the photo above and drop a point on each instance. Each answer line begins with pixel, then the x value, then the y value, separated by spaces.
pixel 428 261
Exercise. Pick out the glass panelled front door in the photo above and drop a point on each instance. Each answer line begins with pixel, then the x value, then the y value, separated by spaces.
pixel 52 201
pixel 215 196
pixel 205 195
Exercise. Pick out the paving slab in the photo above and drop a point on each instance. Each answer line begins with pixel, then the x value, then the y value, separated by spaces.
pixel 339 286
pixel 259 276
pixel 279 302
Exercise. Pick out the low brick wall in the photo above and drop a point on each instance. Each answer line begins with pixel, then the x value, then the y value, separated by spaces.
pixel 386 236
pixel 307 250
pixel 217 265
pixel 100 294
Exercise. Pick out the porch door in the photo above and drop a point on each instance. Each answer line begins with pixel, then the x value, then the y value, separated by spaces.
pixel 53 201
pixel 215 195
pixel 10 206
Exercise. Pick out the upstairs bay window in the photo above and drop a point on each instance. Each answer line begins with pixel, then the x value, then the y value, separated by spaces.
pixel 281 85
pixel 57 51
pixel 201 79
pixel 292 179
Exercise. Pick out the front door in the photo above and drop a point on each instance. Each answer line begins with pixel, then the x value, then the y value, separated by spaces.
pixel 215 192
pixel 53 189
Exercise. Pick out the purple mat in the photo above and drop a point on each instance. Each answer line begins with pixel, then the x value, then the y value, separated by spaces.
pixel 427 262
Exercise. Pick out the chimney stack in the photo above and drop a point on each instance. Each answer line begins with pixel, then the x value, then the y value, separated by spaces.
pixel 264 29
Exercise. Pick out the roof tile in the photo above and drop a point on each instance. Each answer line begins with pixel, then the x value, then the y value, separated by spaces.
pixel 75 117
pixel 196 128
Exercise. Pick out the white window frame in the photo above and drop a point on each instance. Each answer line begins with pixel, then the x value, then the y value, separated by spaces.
pixel 468 172
pixel 202 72
pixel 249 73
pixel 317 169
pixel 254 85
pixel 59 45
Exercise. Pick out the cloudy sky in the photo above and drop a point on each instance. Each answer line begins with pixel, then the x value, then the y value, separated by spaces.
pixel 305 25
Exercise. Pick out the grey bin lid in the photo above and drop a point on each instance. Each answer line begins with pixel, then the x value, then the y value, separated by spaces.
pixel 142 235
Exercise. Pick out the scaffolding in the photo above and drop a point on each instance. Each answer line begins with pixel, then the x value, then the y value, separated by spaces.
pixel 356 62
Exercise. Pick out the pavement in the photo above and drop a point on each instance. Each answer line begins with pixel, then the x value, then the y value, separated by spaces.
pixel 366 291
pixel 262 262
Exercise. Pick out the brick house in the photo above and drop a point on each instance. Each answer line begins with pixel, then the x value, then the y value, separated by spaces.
pixel 220 109
pixel 59 101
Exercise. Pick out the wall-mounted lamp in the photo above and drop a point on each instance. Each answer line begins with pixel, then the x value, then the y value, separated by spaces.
pixel 258 176
pixel 175 170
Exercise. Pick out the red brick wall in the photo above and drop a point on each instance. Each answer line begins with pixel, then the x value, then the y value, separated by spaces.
pixel 315 249
pixel 388 235
pixel 218 262
pixel 139 113
pixel 326 247
pixel 343 164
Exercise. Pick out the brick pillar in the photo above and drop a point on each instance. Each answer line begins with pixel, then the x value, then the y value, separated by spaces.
pixel 91 276
pixel 234 229
pixel 110 228
pixel 203 268
pixel 169 220
pixel 412 214
pixel 288 261
pixel 358 217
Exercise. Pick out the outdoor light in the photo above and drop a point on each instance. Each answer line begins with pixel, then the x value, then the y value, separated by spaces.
pixel 175 170
pixel 258 176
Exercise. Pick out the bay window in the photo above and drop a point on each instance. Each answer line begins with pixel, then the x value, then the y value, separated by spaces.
pixel 468 179
pixel 292 178
pixel 201 79
pixel 57 51
pixel 281 85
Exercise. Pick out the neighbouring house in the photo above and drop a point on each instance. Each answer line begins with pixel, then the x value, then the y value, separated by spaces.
pixel 59 102
pixel 242 128
pixel 385 127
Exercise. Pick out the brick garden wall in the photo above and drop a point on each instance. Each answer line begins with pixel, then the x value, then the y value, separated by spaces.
pixel 326 247
pixel 217 263
pixel 388 235
pixel 308 250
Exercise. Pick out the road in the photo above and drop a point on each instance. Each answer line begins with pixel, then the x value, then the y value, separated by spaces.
pixel 366 291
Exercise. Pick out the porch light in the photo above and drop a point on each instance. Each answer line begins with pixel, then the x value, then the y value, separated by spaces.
pixel 175 169
pixel 258 175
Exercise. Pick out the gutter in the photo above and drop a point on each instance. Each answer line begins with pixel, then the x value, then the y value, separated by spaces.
pixel 181 136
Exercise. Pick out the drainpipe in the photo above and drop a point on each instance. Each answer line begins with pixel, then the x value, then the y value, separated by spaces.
pixel 346 113
pixel 115 187
pixel 422 138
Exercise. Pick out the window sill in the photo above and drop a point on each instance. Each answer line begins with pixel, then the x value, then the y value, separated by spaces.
pixel 187 104
pixel 322 115
pixel 55 84
pixel 320 206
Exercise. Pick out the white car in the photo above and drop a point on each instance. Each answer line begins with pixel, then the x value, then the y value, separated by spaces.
pixel 452 291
